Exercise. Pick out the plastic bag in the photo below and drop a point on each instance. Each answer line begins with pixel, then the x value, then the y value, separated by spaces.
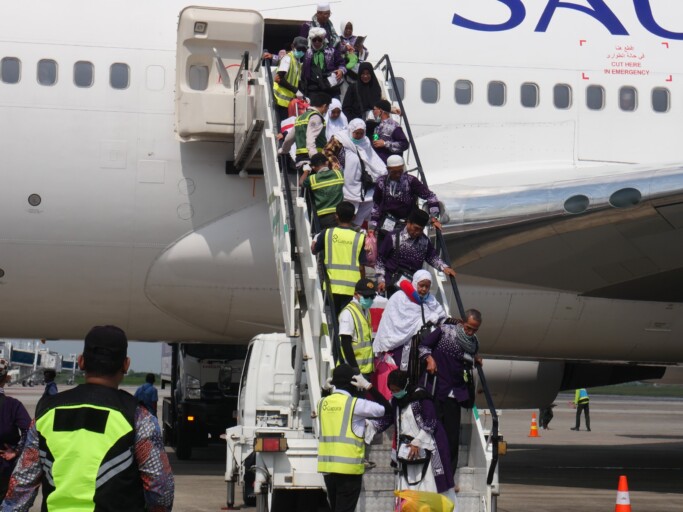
pixel 384 365
pixel 371 249
pixel 423 501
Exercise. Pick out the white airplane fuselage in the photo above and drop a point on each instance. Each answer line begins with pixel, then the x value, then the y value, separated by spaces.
pixel 137 229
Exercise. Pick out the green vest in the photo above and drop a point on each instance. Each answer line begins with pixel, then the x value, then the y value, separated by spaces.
pixel 87 442
pixel 300 129
pixel 342 252
pixel 362 345
pixel 326 199
pixel 283 95
pixel 339 449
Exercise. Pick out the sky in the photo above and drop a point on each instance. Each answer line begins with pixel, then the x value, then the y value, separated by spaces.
pixel 144 357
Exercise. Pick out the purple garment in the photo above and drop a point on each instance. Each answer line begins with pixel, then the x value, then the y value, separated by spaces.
pixel 399 198
pixel 450 360
pixel 333 61
pixel 410 257
pixel 425 417
pixel 14 423
pixel 395 141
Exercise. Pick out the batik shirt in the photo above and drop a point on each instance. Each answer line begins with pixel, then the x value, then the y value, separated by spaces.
pixel 410 256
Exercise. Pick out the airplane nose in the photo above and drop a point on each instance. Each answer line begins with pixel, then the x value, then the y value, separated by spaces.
pixel 221 277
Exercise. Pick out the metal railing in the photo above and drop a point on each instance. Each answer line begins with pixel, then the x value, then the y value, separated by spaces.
pixel 441 246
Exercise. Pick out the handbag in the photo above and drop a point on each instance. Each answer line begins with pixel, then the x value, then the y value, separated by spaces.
pixel 424 456
pixel 366 181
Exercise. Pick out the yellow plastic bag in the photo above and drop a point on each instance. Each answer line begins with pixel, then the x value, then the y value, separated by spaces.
pixel 422 501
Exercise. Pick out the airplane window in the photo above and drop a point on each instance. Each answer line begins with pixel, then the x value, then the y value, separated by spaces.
pixel 199 77
pixel 595 97
pixel 496 94
pixel 529 95
pixel 10 70
pixel 463 92
pixel 562 96
pixel 119 75
pixel 660 99
pixel 47 72
pixel 401 87
pixel 628 99
pixel 430 90
pixel 84 74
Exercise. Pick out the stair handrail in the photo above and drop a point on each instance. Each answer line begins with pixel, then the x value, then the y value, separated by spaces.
pixel 441 246
pixel 244 65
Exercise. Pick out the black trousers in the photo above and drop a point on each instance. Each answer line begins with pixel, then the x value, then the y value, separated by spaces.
pixel 343 491
pixel 448 413
pixel 586 412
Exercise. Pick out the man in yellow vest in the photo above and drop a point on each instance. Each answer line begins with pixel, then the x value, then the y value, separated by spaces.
pixel 288 76
pixel 94 447
pixel 355 330
pixel 343 250
pixel 326 188
pixel 581 401
pixel 341 447
pixel 309 130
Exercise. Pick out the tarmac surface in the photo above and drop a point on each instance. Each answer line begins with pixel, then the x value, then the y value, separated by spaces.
pixel 561 470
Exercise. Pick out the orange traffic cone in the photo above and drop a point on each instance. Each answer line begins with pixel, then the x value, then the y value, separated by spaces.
pixel 623 499
pixel 534 427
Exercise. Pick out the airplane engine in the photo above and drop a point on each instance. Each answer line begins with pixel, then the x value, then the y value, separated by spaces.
pixel 517 384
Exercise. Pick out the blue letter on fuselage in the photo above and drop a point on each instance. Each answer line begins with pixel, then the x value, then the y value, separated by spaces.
pixel 647 20
pixel 600 12
pixel 517 14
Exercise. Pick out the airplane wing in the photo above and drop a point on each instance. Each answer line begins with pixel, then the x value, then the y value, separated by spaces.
pixel 616 234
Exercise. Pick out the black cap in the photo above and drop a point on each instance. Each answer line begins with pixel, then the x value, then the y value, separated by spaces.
pixel 342 375
pixel 384 105
pixel 300 43
pixel 319 99
pixel 366 287
pixel 105 342
pixel 419 217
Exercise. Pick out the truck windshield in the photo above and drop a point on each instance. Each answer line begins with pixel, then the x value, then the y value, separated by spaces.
pixel 225 352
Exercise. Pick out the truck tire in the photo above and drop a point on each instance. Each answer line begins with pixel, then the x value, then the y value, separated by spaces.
pixel 183 448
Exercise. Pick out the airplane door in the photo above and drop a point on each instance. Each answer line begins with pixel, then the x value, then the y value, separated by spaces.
pixel 210 48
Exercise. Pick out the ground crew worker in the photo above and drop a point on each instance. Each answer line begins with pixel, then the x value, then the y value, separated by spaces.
pixel 49 376
pixel 327 188
pixel 343 249
pixel 94 447
pixel 309 130
pixel 341 447
pixel 355 330
pixel 581 400
pixel 288 75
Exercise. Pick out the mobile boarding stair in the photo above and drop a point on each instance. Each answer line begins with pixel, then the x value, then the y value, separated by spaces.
pixel 224 95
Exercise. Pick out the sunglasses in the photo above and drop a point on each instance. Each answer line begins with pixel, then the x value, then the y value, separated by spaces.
pixel 317 39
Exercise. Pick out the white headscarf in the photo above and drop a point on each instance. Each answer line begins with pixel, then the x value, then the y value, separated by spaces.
pixel 352 169
pixel 317 32
pixel 402 317
pixel 334 126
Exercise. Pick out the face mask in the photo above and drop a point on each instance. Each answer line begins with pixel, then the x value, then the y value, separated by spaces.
pixel 378 117
pixel 400 394
pixel 366 302
pixel 298 54
pixel 356 141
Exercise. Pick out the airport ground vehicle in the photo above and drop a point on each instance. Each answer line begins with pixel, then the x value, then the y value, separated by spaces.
pixel 204 382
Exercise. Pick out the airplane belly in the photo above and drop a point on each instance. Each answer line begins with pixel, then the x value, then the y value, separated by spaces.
pixel 221 277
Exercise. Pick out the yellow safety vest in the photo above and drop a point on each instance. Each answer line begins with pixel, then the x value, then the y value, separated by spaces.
pixel 283 95
pixel 339 449
pixel 317 184
pixel 342 251
pixel 362 346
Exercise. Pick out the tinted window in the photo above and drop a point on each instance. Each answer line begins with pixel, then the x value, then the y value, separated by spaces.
pixel 199 78
pixel 463 92
pixel 10 70
pixel 628 99
pixel 429 90
pixel 562 96
pixel 496 94
pixel 660 99
pixel 84 74
pixel 47 72
pixel 401 86
pixel 529 95
pixel 119 76
pixel 595 97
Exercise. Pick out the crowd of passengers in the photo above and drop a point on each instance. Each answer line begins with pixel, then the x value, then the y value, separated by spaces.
pixel 414 371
